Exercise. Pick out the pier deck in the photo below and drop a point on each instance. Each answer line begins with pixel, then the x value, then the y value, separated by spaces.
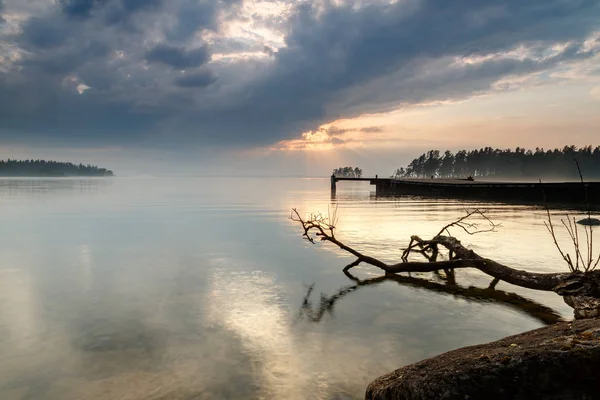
pixel 536 192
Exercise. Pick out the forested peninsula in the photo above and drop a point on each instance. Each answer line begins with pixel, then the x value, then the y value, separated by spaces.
pixel 43 168
pixel 505 163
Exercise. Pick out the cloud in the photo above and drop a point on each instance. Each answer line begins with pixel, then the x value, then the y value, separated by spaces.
pixel 329 137
pixel 192 16
pixel 595 93
pixel 401 54
pixel 269 51
pixel 42 33
pixel 81 88
pixel 372 129
pixel 79 8
pixel 198 79
pixel 121 12
pixel 111 11
pixel 313 63
pixel 178 57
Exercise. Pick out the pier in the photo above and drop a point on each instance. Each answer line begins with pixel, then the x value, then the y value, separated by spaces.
pixel 530 192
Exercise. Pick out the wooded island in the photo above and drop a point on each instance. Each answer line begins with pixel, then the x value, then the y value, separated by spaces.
pixel 43 168
pixel 505 163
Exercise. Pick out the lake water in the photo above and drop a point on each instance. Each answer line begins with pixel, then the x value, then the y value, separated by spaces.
pixel 193 288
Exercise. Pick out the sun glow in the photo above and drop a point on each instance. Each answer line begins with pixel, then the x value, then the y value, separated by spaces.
pixel 311 140
pixel 348 134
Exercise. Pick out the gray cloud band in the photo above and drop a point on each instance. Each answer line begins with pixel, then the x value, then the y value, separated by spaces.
pixel 152 80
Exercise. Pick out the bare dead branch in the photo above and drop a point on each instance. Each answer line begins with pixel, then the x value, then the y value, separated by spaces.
pixel 590 265
pixel 550 227
pixel 494 283
pixel 317 224
pixel 573 284
pixel 463 258
pixel 470 228
pixel 353 264
pixel 588 261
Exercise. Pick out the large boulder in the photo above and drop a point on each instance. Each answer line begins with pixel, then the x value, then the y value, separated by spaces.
pixel 589 221
pixel 560 361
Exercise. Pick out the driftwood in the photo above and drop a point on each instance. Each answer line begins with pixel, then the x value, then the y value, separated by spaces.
pixel 580 290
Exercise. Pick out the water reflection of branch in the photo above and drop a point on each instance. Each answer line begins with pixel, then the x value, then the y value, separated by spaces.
pixel 538 311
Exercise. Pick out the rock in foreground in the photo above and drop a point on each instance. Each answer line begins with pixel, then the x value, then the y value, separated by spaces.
pixel 561 361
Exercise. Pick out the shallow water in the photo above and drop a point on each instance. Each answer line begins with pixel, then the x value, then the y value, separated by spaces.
pixel 193 288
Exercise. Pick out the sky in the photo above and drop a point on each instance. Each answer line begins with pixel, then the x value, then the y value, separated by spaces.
pixel 292 87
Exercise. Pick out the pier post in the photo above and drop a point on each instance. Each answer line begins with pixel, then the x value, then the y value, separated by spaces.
pixel 333 182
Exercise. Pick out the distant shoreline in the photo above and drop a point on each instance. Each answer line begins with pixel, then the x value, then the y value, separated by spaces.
pixel 50 169
pixel 57 176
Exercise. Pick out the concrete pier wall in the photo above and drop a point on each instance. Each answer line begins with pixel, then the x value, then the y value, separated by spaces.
pixel 561 192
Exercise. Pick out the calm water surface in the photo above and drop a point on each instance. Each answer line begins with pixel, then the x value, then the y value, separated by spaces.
pixel 194 288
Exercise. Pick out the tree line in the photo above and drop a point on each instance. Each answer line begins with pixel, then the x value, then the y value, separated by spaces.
pixel 49 168
pixel 505 163
pixel 347 172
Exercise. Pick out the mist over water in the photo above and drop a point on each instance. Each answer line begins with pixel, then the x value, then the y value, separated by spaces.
pixel 192 288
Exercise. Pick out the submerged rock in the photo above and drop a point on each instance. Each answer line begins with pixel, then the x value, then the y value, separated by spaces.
pixel 560 361
pixel 589 222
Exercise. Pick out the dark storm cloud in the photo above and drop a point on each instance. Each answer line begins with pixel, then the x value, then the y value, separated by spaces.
pixel 322 59
pixel 115 10
pixel 333 57
pixel 198 79
pixel 191 17
pixel 79 8
pixel 195 15
pixel 178 57
pixel 44 33
pixel 337 62
pixel 63 119
pixel 136 5
pixel 121 11
pixel 65 61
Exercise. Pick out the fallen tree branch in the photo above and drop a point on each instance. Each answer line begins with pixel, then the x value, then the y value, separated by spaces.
pixel 568 285
pixel 462 257
pixel 465 258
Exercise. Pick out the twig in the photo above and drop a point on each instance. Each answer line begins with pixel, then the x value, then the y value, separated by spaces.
pixel 588 261
pixel 470 228
pixel 550 227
